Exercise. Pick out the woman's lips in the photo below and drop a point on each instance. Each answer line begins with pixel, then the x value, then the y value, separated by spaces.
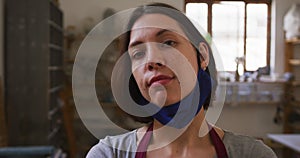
pixel 160 79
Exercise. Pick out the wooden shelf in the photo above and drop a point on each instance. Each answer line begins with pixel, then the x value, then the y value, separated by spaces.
pixel 294 62
pixel 295 126
pixel 52 112
pixel 56 26
pixel 295 104
pixel 294 41
pixel 54 46
pixel 291 106
pixel 55 68
pixel 249 103
pixel 55 89
pixel 294 83
pixel 54 132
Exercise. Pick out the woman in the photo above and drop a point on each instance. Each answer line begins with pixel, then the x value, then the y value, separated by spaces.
pixel 173 74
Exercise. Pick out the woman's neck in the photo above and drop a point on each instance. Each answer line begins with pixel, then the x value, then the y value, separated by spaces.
pixel 194 134
pixel 188 142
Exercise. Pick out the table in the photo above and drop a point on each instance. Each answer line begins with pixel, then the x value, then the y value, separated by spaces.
pixel 291 141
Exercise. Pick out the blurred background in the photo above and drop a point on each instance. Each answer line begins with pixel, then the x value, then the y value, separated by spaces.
pixel 257 40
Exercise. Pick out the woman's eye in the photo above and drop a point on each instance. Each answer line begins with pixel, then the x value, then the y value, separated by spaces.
pixel 138 55
pixel 169 43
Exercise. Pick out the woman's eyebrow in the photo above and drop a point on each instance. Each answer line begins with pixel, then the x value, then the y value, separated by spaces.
pixel 133 44
pixel 159 33
pixel 162 31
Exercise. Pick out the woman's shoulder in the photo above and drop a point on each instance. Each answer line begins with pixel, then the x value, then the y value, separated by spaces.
pixel 245 146
pixel 119 141
pixel 110 146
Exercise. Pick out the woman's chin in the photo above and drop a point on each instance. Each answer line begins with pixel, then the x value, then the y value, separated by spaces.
pixel 162 102
pixel 171 102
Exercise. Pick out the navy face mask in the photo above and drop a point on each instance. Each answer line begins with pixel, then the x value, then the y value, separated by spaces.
pixel 180 114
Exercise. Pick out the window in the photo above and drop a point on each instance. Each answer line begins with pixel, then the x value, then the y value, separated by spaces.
pixel 239 29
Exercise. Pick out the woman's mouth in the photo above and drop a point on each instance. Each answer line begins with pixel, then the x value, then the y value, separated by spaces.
pixel 160 80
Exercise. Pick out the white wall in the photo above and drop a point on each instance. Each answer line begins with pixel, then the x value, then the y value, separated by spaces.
pixel 253 120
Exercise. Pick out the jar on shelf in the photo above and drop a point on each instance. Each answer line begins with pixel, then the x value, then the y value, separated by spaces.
pixel 291 22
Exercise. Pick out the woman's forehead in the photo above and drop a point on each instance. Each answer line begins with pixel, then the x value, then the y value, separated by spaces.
pixel 158 21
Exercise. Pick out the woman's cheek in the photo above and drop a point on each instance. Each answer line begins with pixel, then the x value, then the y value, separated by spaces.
pixel 141 85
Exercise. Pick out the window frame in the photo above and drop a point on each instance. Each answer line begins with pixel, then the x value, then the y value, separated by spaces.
pixel 209 20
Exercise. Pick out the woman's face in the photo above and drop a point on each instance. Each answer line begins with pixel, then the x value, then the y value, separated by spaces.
pixel 164 62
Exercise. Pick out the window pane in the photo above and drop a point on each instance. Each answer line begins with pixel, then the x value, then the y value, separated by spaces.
pixel 198 12
pixel 228 31
pixel 256 42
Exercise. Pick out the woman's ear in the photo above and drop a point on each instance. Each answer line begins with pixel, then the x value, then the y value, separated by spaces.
pixel 204 52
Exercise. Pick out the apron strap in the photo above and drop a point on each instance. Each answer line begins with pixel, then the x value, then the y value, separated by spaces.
pixel 142 147
pixel 217 142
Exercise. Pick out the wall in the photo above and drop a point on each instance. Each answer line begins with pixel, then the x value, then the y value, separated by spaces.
pixel 255 120
pixel 77 10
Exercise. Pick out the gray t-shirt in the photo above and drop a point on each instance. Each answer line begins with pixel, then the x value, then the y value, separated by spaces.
pixel 237 146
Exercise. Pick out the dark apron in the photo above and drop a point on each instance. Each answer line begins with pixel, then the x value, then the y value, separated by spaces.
pixel 217 142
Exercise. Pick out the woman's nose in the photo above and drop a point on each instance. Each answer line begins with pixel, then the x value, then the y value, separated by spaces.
pixel 154 66
pixel 155 58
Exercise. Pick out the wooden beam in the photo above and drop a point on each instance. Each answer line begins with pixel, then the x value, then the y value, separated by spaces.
pixel 269 35
pixel 245 36
pixel 68 117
